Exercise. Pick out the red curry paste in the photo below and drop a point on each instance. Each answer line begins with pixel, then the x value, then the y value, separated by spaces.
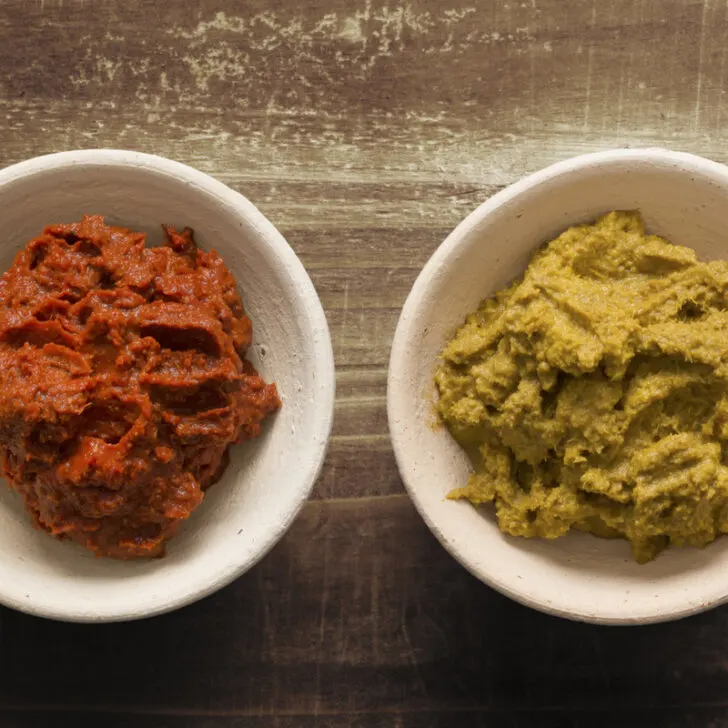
pixel 122 382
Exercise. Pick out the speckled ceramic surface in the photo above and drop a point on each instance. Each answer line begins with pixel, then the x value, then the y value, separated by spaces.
pixel 268 479
pixel 682 197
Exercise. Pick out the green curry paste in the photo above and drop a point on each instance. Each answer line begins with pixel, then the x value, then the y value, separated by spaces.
pixel 593 393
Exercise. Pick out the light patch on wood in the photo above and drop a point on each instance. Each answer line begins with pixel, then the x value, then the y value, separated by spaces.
pixel 701 61
pixel 227 47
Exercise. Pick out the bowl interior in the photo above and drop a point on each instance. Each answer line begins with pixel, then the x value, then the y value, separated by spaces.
pixel 681 197
pixel 268 479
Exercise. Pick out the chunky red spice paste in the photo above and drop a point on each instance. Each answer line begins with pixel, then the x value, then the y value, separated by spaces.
pixel 122 382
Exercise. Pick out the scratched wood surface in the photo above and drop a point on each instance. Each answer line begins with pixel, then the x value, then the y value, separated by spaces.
pixel 364 129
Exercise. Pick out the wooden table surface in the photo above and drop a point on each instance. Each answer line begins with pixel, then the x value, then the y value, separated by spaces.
pixel 364 130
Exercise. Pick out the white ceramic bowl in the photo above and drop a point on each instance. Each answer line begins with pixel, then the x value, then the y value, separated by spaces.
pixel 268 479
pixel 682 197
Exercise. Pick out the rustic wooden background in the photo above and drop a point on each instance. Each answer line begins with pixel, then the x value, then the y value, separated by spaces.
pixel 365 130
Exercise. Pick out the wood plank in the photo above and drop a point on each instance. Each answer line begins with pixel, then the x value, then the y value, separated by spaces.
pixel 528 65
pixel 439 88
pixel 360 461
pixel 665 718
pixel 358 467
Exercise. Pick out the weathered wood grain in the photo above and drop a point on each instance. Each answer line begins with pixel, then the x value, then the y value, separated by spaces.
pixel 365 130
pixel 360 614
pixel 665 718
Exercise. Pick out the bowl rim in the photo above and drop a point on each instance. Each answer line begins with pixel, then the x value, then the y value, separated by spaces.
pixel 324 362
pixel 397 377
